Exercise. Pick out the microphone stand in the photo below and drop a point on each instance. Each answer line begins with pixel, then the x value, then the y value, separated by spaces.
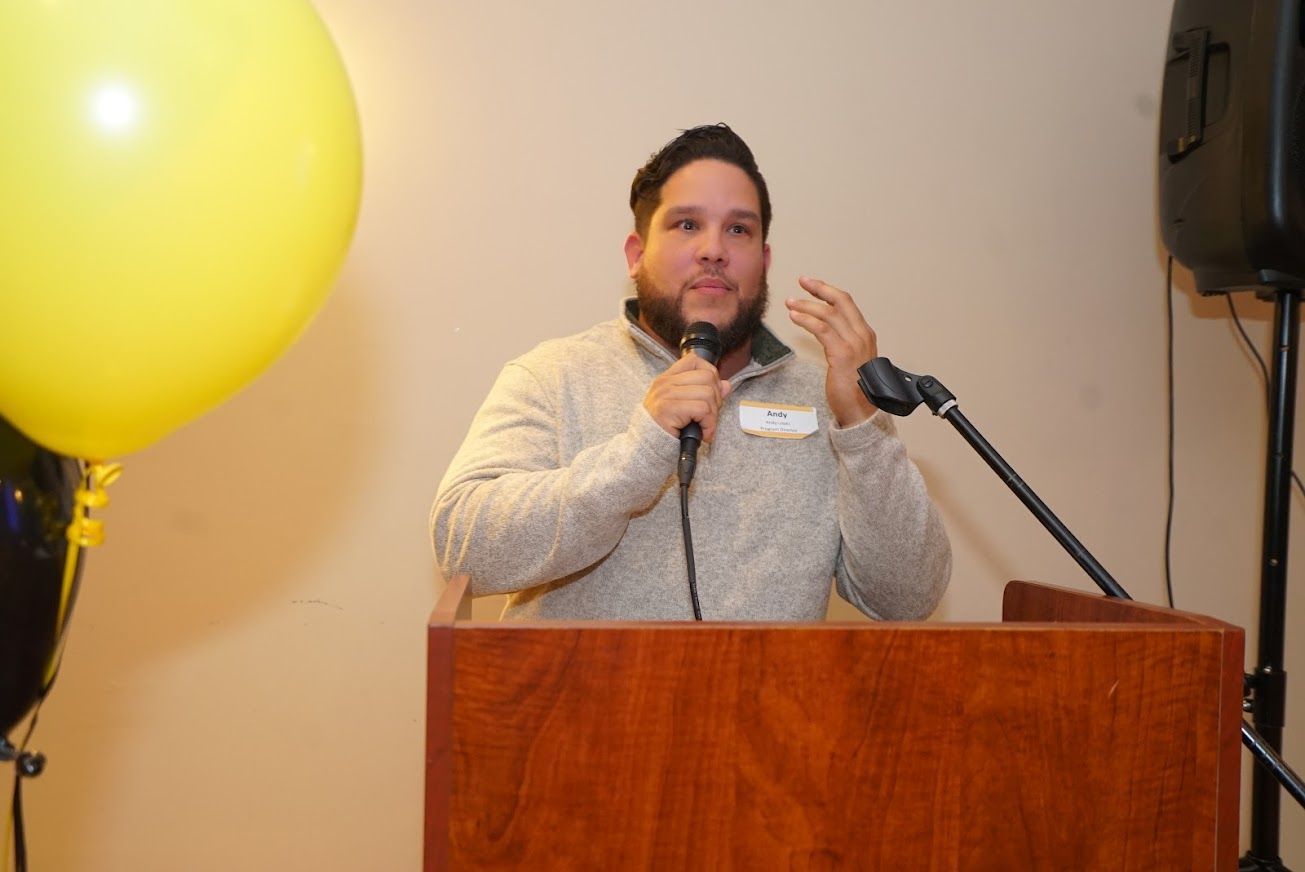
pixel 899 392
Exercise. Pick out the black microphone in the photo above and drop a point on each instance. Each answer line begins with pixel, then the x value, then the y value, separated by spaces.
pixel 700 338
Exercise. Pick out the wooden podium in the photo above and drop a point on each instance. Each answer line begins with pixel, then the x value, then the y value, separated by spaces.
pixel 1081 733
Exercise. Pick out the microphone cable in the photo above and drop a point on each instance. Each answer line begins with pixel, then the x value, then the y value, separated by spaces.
pixel 688 550
pixel 1169 513
pixel 1264 372
pixel 702 339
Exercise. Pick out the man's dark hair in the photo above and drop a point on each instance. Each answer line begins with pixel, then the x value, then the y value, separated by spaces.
pixel 711 142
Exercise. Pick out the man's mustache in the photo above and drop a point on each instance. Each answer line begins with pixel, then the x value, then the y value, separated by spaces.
pixel 715 275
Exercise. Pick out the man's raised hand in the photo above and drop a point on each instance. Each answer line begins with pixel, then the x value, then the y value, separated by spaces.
pixel 833 318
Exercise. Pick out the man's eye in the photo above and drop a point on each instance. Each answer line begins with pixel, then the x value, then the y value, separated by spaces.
pixel 687 224
pixel 740 229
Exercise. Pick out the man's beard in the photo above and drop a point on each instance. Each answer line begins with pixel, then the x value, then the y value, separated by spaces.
pixel 664 314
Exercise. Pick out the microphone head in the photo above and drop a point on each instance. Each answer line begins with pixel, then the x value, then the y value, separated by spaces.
pixel 703 339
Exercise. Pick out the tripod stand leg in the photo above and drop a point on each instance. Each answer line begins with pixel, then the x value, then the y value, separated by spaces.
pixel 1270 681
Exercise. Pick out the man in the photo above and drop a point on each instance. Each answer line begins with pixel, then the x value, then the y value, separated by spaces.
pixel 564 494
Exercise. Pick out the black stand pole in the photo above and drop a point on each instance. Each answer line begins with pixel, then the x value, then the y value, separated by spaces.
pixel 898 392
pixel 1268 684
pixel 1040 510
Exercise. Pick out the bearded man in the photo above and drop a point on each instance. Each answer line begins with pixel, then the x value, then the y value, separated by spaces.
pixel 564 493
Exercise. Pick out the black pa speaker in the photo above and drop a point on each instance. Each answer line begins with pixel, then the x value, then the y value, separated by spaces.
pixel 1232 143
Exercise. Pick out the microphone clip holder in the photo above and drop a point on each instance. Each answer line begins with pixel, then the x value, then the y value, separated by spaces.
pixel 899 392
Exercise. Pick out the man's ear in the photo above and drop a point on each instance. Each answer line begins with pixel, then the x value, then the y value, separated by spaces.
pixel 765 255
pixel 633 252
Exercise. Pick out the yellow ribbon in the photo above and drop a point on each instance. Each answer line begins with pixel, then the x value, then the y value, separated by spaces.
pixel 83 532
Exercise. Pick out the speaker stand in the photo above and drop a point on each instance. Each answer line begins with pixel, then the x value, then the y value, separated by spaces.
pixel 1268 684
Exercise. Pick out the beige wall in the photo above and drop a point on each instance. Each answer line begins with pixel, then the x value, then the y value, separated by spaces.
pixel 244 684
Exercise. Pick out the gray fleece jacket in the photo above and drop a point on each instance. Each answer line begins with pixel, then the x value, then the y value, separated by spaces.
pixel 564 496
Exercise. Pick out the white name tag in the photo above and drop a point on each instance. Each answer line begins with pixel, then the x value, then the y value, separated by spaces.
pixel 777 420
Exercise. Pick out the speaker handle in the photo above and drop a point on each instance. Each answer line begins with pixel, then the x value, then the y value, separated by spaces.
pixel 1193 45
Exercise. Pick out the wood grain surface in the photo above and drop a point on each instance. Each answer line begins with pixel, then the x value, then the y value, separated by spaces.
pixel 803 747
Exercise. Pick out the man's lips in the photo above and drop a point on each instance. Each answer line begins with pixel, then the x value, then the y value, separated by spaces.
pixel 712 286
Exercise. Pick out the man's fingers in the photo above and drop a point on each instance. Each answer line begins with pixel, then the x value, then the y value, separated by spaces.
pixel 810 321
pixel 689 363
pixel 830 329
pixel 839 299
pixel 703 409
pixel 821 317
pixel 816 287
pixel 833 318
pixel 689 390
pixel 824 291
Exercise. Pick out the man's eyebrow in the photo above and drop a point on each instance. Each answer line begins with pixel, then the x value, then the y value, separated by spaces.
pixel 734 214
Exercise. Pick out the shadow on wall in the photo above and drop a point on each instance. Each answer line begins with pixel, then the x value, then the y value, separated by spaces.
pixel 970 534
pixel 213 525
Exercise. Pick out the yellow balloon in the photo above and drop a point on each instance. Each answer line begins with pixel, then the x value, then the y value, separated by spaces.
pixel 179 182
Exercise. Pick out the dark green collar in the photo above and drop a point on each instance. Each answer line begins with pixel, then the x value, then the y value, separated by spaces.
pixel 766 347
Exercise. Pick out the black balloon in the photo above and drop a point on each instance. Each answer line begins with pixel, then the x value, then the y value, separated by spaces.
pixel 37 489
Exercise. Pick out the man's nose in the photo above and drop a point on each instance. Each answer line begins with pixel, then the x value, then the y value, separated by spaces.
pixel 712 248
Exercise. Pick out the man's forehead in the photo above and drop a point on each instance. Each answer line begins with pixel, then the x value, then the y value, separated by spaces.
pixel 706 183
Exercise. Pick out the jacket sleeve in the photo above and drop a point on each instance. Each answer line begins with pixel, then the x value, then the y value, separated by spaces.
pixel 509 513
pixel 895 558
